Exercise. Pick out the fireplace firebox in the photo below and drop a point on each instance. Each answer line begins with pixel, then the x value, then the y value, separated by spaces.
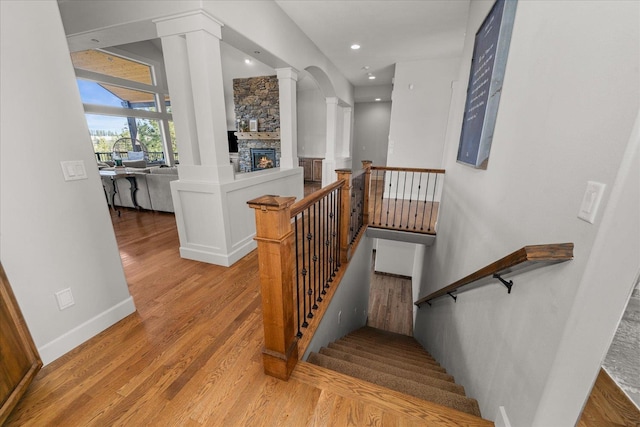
pixel 263 158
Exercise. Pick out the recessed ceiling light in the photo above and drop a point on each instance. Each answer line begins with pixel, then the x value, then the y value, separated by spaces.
pixel 366 67
pixel 378 99
pixel 355 46
pixel 248 61
pixel 372 77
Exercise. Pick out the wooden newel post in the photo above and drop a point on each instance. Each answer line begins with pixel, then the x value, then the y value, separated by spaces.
pixel 274 234
pixel 345 214
pixel 366 165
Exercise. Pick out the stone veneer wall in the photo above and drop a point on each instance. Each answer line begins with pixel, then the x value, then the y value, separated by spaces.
pixel 257 98
pixel 244 151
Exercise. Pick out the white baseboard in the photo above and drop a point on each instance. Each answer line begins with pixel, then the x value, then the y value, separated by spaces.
pixel 81 333
pixel 217 258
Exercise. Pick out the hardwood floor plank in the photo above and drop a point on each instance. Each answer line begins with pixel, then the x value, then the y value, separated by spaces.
pixel 191 354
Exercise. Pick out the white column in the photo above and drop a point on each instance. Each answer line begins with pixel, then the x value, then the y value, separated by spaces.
pixel 177 69
pixel 194 76
pixel 191 49
pixel 287 78
pixel 329 163
pixel 347 140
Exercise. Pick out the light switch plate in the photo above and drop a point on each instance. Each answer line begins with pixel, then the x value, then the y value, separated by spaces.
pixel 591 201
pixel 73 170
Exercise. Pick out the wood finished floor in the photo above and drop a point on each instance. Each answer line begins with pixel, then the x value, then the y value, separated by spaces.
pixel 191 355
pixel 390 304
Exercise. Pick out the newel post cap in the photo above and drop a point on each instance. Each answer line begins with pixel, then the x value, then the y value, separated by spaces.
pixel 271 203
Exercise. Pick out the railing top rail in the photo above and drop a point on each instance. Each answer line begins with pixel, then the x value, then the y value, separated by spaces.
pixel 523 259
pixel 303 204
pixel 388 168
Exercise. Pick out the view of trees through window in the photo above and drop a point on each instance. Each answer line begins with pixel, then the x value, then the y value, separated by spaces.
pixel 119 97
pixel 148 133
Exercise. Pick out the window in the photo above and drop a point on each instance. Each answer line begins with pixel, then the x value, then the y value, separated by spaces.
pixel 121 99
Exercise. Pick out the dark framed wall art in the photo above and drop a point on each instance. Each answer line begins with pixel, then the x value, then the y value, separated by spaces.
pixel 488 64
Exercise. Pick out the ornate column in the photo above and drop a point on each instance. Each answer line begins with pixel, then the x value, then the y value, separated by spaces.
pixel 287 78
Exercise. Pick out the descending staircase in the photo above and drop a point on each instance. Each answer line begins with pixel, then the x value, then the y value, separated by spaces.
pixel 397 362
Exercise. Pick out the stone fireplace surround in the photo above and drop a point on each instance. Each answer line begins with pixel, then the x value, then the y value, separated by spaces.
pixel 260 140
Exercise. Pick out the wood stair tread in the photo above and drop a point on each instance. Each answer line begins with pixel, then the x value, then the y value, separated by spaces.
pixel 403 385
pixel 424 412
pixel 382 349
pixel 445 384
pixel 396 362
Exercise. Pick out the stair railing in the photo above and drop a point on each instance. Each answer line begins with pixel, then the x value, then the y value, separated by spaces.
pixel 524 259
pixel 303 249
pixel 405 199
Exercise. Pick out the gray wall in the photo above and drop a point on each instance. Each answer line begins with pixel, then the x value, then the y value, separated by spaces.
pixel 570 97
pixel 54 234
pixel 371 133
pixel 351 300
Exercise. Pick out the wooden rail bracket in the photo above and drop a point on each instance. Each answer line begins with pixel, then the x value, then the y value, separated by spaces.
pixel 508 284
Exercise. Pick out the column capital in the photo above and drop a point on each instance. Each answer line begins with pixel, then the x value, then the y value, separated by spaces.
pixel 183 23
pixel 287 73
pixel 332 100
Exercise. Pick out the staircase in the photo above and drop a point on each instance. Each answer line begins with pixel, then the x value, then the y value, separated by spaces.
pixel 397 362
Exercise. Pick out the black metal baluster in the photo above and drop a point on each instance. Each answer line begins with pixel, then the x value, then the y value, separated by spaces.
pixel 295 225
pixel 433 197
pixel 424 207
pixel 336 234
pixel 328 239
pixel 395 201
pixel 304 274
pixel 388 204
pixel 323 234
pixel 413 176
pixel 375 199
pixel 404 192
pixel 316 264
pixel 312 303
pixel 415 217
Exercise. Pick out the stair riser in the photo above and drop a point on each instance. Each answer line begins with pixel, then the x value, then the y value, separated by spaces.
pixel 385 360
pixel 402 385
pixel 418 355
pixel 408 360
pixel 402 373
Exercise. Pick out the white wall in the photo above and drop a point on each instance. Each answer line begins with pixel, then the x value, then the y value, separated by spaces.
pixel 569 101
pixel 312 118
pixel 348 308
pixel 53 234
pixel 421 97
pixel 371 133
pixel 395 257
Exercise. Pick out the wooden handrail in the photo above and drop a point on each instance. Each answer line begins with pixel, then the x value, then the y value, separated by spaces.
pixel 524 259
pixel 398 169
pixel 303 204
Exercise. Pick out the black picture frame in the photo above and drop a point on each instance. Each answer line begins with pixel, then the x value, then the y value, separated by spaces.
pixel 488 64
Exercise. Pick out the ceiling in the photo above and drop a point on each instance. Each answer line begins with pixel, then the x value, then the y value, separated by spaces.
pixel 388 31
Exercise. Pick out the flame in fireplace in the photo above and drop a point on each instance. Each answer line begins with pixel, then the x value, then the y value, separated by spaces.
pixel 265 163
